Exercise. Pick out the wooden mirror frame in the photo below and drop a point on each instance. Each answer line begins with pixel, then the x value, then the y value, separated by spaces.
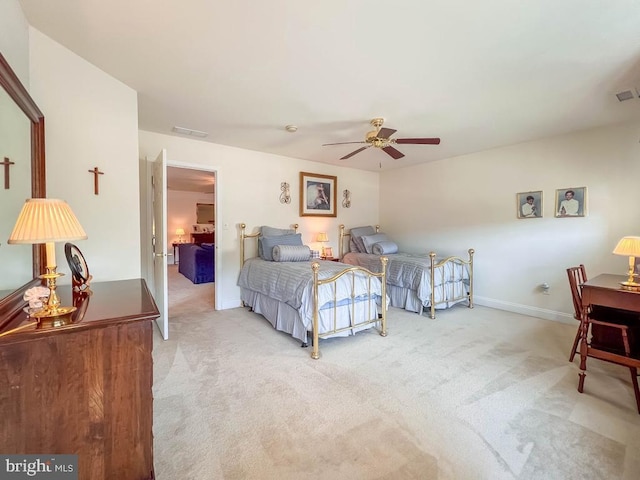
pixel 12 85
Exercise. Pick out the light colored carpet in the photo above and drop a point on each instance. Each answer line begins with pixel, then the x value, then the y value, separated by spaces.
pixel 475 394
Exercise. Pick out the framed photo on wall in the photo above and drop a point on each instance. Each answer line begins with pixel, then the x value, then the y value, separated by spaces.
pixel 529 204
pixel 571 202
pixel 318 195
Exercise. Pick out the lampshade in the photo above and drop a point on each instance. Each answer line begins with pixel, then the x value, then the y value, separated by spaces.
pixel 44 220
pixel 628 246
pixel 322 237
pixel 179 231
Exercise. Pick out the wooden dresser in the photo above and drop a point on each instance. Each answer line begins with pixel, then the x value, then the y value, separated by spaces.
pixel 84 388
pixel 202 237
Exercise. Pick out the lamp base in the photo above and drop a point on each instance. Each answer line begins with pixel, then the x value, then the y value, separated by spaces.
pixel 631 286
pixel 53 319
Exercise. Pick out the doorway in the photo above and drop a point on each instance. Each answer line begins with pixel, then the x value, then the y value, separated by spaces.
pixel 190 227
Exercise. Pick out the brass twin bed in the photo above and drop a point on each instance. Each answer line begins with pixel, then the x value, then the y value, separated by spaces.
pixel 301 295
pixel 414 281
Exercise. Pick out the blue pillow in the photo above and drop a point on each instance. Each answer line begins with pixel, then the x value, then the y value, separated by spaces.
pixel 266 231
pixel 356 244
pixel 370 240
pixel 268 243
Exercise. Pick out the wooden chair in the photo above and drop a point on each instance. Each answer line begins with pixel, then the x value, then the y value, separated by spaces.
pixel 577 276
pixel 608 329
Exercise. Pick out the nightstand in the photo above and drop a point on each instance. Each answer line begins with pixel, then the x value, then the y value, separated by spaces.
pixel 329 259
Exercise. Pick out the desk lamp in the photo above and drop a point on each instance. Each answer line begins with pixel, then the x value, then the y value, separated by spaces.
pixel 48 220
pixel 629 246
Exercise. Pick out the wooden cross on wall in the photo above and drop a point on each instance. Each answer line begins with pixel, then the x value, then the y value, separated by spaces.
pixel 7 164
pixel 96 172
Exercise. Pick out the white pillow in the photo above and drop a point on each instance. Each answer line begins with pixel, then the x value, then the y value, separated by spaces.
pixel 370 240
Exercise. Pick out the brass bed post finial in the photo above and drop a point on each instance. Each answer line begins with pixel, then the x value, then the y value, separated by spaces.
pixel 341 241
pixel 315 266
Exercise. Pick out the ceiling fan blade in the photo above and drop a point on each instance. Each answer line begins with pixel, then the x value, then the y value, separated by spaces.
pixel 419 141
pixel 386 132
pixel 354 152
pixel 393 152
pixel 340 143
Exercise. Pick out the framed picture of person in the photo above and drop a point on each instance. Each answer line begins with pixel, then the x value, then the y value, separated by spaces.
pixel 318 195
pixel 571 202
pixel 529 204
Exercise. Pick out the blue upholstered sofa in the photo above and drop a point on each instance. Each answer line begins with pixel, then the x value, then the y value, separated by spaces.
pixel 196 262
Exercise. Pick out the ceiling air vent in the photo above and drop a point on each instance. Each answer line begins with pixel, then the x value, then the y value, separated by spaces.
pixel 625 95
pixel 189 131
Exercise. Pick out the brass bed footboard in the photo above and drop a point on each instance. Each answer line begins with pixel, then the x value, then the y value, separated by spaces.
pixel 371 315
pixel 455 263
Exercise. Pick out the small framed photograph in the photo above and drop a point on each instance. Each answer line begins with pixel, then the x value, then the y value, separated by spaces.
pixel 571 202
pixel 529 204
pixel 318 195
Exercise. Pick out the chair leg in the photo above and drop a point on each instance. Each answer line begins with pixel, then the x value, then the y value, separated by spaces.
pixel 575 345
pixel 636 390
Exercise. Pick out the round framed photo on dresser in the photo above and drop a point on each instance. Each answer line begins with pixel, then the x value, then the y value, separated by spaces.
pixel 78 266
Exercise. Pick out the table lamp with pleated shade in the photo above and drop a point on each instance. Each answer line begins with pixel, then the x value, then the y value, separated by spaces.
pixel 629 247
pixel 48 220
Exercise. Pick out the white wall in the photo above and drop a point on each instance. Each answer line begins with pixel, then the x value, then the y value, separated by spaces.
pixel 248 190
pixel 91 120
pixel 470 202
pixel 14 39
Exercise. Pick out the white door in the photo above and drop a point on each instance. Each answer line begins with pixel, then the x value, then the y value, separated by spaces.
pixel 160 242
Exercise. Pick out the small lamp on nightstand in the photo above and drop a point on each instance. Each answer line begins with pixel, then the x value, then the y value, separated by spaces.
pixel 629 247
pixel 180 233
pixel 326 251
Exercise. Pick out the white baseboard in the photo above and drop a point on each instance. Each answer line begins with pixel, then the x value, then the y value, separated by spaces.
pixel 525 310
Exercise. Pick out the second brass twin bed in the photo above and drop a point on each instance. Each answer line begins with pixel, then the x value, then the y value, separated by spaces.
pixel 415 282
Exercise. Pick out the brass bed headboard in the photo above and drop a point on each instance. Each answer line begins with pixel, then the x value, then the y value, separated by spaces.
pixel 244 236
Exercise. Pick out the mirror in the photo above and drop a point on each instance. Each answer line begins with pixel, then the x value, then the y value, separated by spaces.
pixel 18 108
pixel 204 213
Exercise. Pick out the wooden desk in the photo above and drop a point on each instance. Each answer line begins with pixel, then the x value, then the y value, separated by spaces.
pixel 605 290
pixel 84 388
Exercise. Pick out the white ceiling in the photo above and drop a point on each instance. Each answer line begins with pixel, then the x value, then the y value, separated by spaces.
pixel 190 180
pixel 476 74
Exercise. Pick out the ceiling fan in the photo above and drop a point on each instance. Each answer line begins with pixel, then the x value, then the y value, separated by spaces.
pixel 379 138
